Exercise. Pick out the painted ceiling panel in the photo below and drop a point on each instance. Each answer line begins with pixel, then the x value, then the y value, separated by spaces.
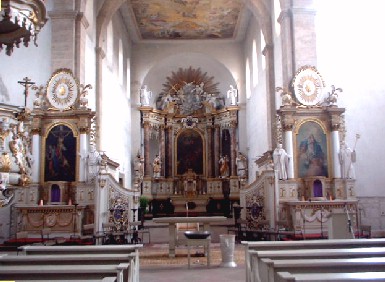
pixel 186 19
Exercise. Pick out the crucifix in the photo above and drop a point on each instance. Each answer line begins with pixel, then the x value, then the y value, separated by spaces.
pixel 26 82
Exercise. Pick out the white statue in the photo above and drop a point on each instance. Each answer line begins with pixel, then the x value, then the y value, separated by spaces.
pixel 93 161
pixel 224 167
pixel 145 96
pixel 281 162
pixel 232 94
pixel 156 166
pixel 347 157
pixel 241 165
pixel 139 166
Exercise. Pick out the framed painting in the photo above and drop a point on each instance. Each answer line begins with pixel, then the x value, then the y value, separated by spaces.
pixel 189 152
pixel 312 151
pixel 60 154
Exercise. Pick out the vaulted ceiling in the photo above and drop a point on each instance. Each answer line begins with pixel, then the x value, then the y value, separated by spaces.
pixel 185 19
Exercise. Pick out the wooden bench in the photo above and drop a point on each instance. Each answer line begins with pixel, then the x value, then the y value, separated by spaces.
pixel 306 244
pixel 61 272
pixel 71 259
pixel 294 266
pixel 345 277
pixel 257 256
pixel 92 249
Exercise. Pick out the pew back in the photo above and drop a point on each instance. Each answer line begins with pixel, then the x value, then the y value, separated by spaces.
pixel 319 266
pixel 327 277
pixel 305 244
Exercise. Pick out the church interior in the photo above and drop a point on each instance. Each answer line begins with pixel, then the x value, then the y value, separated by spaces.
pixel 116 113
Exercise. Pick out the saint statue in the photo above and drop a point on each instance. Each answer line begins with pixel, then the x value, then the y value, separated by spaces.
pixel 156 166
pixel 93 162
pixel 145 96
pixel 223 166
pixel 347 157
pixel 232 94
pixel 281 162
pixel 139 166
pixel 241 165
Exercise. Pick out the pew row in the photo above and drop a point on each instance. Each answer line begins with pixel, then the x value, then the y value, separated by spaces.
pixel 259 273
pixel 67 259
pixel 305 244
pixel 328 277
pixel 133 250
pixel 64 272
pixel 302 266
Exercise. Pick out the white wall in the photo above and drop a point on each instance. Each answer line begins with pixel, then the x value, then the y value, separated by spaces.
pixel 32 62
pixel 256 107
pixel 351 56
pixel 115 133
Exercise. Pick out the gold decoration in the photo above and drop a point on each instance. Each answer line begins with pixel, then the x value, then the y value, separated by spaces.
pixel 5 162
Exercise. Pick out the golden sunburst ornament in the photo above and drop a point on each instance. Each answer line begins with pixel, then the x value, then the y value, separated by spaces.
pixel 189 88
pixel 190 75
pixel 308 86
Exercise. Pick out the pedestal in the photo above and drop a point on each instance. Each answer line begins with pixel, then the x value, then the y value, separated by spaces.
pixel 339 226
pixel 227 243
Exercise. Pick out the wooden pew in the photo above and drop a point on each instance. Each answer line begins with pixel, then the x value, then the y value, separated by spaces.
pixel 60 272
pixel 93 249
pixel 256 256
pixel 306 244
pixel 70 259
pixel 323 277
pixel 294 266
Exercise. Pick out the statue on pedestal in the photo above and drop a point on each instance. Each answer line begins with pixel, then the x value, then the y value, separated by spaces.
pixel 281 162
pixel 232 93
pixel 139 167
pixel 93 161
pixel 145 96
pixel 223 166
pixel 156 166
pixel 347 157
pixel 241 161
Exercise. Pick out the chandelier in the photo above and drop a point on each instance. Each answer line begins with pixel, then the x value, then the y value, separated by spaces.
pixel 20 22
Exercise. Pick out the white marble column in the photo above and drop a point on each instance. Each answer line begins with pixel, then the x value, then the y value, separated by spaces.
pixel 83 151
pixel 290 151
pixel 36 148
pixel 335 142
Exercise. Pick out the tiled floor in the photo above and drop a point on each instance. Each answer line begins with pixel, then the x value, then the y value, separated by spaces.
pixel 156 266
pixel 197 273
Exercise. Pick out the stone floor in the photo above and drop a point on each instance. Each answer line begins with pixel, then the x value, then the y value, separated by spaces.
pixel 155 265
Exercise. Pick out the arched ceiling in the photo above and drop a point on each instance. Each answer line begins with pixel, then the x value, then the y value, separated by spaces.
pixel 185 19
pixel 154 20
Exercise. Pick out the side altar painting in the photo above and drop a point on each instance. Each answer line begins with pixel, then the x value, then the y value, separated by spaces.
pixel 312 157
pixel 60 154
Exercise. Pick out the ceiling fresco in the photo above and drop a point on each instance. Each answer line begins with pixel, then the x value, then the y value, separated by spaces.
pixel 186 19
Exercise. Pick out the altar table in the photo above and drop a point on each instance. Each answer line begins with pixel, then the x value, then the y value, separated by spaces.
pixel 172 221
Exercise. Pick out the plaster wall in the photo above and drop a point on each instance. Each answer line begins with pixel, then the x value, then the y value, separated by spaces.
pixel 114 102
pixel 256 106
pixel 32 62
pixel 355 63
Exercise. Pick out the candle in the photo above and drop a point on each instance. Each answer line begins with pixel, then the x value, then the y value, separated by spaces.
pixel 70 202
pixel 41 202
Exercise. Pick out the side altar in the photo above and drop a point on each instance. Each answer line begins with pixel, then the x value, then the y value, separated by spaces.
pixel 309 176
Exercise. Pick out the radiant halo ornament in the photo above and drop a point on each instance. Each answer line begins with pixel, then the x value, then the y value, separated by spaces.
pixel 62 89
pixel 308 86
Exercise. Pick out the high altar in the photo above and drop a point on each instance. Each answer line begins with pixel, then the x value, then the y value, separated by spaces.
pixel 190 144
